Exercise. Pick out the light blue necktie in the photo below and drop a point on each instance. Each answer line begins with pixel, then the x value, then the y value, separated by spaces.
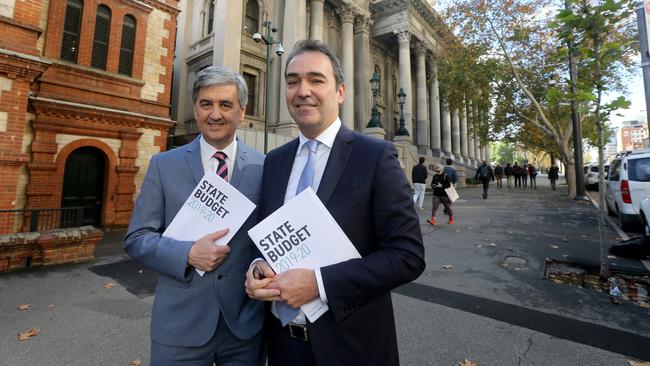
pixel 286 312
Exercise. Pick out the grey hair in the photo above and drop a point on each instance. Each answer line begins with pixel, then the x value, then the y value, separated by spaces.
pixel 220 75
pixel 313 45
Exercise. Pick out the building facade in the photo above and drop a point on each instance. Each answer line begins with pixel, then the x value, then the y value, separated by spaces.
pixel 632 135
pixel 85 87
pixel 396 39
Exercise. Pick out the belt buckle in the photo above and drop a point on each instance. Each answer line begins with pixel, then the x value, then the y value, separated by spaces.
pixel 298 331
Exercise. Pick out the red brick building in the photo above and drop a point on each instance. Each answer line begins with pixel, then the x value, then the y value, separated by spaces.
pixel 84 102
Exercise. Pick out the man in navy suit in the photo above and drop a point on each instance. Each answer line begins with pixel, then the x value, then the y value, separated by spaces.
pixel 361 183
pixel 201 320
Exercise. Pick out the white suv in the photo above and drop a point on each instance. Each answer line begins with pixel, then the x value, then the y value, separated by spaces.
pixel 592 176
pixel 628 183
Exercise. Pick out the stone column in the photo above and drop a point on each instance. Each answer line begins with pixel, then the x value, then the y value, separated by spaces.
pixel 294 28
pixel 445 121
pixel 404 39
pixel 347 58
pixel 455 134
pixel 434 103
pixel 316 17
pixel 362 72
pixel 421 102
pixel 470 134
pixel 228 17
pixel 463 135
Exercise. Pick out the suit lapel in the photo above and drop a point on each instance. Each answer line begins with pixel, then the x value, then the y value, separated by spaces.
pixel 240 162
pixel 339 155
pixel 280 176
pixel 193 158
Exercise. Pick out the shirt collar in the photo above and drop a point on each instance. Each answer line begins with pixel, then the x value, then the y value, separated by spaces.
pixel 326 137
pixel 207 150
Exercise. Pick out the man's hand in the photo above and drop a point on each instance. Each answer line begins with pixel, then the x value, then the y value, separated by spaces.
pixel 259 275
pixel 205 254
pixel 297 286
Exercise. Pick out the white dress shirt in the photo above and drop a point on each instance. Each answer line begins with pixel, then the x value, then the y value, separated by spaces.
pixel 211 163
pixel 325 143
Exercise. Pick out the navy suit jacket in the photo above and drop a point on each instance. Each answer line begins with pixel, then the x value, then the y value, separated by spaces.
pixel 187 306
pixel 367 193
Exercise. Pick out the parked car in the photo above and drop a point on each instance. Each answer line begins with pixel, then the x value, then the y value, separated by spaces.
pixel 592 177
pixel 628 184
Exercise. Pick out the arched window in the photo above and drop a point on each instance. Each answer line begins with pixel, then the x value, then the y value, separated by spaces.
pixel 252 16
pixel 210 18
pixel 71 30
pixel 100 38
pixel 127 45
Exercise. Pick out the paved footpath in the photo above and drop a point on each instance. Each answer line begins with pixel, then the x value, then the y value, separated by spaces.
pixel 479 309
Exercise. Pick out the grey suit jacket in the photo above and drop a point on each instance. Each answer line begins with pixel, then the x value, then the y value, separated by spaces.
pixel 187 306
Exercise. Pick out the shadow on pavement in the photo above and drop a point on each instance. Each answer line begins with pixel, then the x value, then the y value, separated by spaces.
pixel 134 277
pixel 635 248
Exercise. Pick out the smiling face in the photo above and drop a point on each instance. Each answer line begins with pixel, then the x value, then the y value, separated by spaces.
pixel 218 113
pixel 313 98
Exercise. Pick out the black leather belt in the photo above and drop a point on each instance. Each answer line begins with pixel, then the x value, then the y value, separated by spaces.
pixel 298 331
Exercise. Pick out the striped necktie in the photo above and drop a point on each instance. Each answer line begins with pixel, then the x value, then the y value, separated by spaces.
pixel 222 168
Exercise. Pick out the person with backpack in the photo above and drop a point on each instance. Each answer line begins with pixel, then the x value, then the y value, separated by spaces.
pixel 532 172
pixel 498 175
pixel 485 175
pixel 439 183
pixel 507 171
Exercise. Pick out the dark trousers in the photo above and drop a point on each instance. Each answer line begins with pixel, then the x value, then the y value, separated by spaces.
pixel 553 183
pixel 283 349
pixel 437 200
pixel 524 179
pixel 486 185
pixel 533 182
pixel 517 180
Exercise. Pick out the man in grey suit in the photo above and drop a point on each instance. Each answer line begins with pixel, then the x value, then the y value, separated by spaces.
pixel 201 320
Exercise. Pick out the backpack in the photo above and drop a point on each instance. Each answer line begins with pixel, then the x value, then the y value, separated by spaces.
pixel 533 171
pixel 484 172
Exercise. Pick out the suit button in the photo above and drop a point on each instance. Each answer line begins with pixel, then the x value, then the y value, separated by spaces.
pixel 219 277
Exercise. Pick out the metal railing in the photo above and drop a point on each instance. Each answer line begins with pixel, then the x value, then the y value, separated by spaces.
pixel 19 221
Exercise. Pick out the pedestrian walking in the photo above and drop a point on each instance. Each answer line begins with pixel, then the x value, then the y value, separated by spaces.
pixel 439 183
pixel 451 173
pixel 498 175
pixel 553 175
pixel 524 175
pixel 532 172
pixel 516 171
pixel 419 176
pixel 507 171
pixel 485 175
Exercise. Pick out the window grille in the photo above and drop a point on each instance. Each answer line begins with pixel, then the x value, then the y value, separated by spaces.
pixel 71 30
pixel 100 38
pixel 127 46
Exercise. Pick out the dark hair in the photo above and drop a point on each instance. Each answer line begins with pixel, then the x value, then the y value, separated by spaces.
pixel 422 159
pixel 313 45
pixel 449 161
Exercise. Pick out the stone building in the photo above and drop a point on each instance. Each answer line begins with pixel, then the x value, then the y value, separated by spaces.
pixel 394 38
pixel 85 87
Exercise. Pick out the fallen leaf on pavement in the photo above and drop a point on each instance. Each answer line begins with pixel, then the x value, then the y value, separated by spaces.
pixel 509 232
pixel 136 362
pixel 480 246
pixel 447 266
pixel 140 271
pixel 467 363
pixel 611 257
pixel 28 334
pixel 24 306
pixel 493 244
pixel 565 239
pixel 51 306
pixel 555 246
pixel 109 285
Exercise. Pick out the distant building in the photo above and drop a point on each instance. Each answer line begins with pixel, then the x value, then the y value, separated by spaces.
pixel 631 135
pixel 611 148
pixel 85 90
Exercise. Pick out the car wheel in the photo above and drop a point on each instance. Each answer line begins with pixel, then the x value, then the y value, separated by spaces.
pixel 622 223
